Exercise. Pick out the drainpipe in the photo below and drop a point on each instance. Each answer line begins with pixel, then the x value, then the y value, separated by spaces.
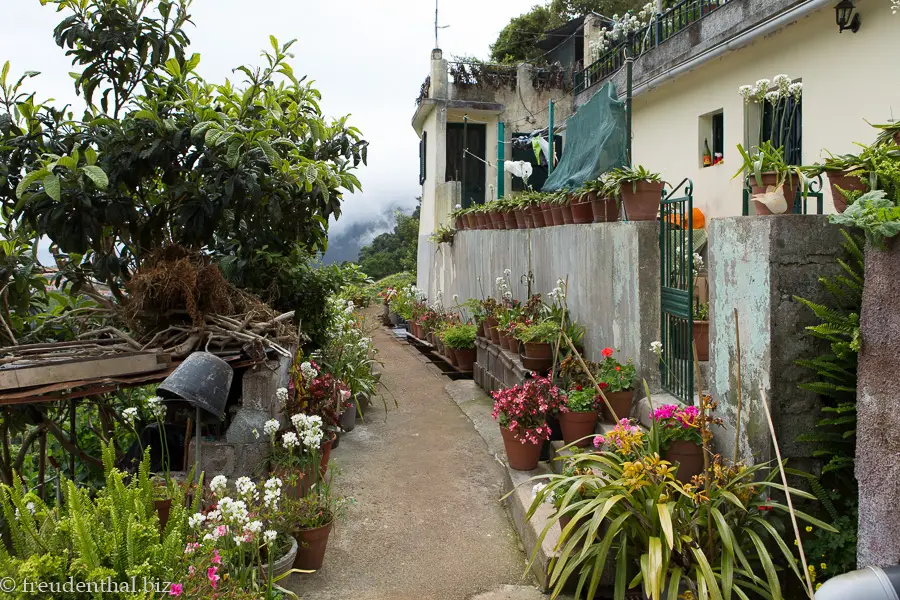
pixel 465 159
pixel 768 26
pixel 501 159
pixel 629 94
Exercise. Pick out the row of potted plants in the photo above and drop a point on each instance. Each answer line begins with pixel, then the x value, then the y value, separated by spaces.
pixel 637 190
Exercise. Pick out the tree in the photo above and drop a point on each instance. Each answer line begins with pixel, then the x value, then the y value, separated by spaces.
pixel 165 157
pixel 395 251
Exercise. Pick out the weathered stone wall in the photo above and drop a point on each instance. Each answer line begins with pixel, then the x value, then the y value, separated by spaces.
pixel 757 265
pixel 878 411
pixel 612 268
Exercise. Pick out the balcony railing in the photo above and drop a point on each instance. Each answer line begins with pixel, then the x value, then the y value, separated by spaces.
pixel 662 26
pixel 483 74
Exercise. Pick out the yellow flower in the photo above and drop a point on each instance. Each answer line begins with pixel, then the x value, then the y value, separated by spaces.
pixel 809 528
pixel 795 541
pixel 812 569
pixel 823 566
pixel 818 585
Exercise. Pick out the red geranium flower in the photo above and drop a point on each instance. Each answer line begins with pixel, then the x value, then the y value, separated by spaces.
pixel 618 368
pixel 607 352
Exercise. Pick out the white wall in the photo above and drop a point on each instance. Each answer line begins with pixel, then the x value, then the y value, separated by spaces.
pixel 847 79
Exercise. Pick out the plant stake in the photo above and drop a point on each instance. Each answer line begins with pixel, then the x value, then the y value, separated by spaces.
pixel 737 428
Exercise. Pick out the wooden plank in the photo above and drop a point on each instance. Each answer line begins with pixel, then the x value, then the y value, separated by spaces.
pixel 56 345
pixel 77 370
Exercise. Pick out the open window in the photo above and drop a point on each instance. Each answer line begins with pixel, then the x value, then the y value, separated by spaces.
pixel 711 139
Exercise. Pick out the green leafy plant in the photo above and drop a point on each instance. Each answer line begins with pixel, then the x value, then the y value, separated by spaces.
pixel 614 376
pixel 874 213
pixel 546 332
pixel 459 337
pixel 443 235
pixel 581 399
pixel 701 311
pixel 764 159
pixel 622 176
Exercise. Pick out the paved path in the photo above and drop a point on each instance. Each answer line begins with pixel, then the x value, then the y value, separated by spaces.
pixel 427 524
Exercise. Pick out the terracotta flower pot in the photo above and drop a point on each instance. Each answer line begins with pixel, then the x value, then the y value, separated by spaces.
pixel 701 339
pixel 479 331
pixel 519 215
pixel 483 221
pixel 582 213
pixel 790 192
pixel 577 425
pixel 689 457
pixel 465 359
pixel 642 200
pixel 556 211
pixel 497 220
pixel 512 344
pixel 163 508
pixel 537 215
pixel 840 179
pixel 509 217
pixel 621 403
pixel 495 335
pixel 470 221
pixel 311 547
pixel 529 219
pixel 522 456
pixel 459 222
pixel 539 350
pixel 604 210
pixel 450 353
pixel 568 219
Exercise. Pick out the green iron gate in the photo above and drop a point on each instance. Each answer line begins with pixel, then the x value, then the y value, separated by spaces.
pixel 676 272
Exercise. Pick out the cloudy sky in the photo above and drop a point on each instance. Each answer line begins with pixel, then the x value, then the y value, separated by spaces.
pixel 369 59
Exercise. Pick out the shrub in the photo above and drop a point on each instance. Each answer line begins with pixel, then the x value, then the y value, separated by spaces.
pixel 543 332
pixel 523 408
pixel 581 399
pixel 614 376
pixel 459 337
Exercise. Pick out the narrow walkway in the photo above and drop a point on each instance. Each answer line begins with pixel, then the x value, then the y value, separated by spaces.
pixel 427 524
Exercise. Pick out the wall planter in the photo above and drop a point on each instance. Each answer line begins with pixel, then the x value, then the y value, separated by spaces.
pixel 469 221
pixel 497 220
pixel 465 359
pixel 480 218
pixel 512 344
pixel 790 192
pixel 556 212
pixel 521 456
pixel 620 402
pixel 540 350
pixel 495 335
pixel 283 564
pixel 701 340
pixel 312 544
pixel 520 218
pixel 459 223
pixel 844 181
pixel 689 457
pixel 642 200
pixel 509 217
pixel 537 215
pixel 582 213
pixel 605 210
pixel 568 219
pixel 577 425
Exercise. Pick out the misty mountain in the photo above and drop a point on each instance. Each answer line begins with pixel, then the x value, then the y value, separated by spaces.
pixel 344 244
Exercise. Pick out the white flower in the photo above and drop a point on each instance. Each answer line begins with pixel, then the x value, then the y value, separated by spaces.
pixel 656 348
pixel 796 89
pixel 456 298
pixel 458 206
pixel 271 427
pixel 156 407
pixel 507 272
pixel 269 536
pixel 507 295
pixel 746 92
pixel 272 493
pixel 246 488
pixel 296 420
pixel 196 520
pixel 234 511
pixel 782 82
pixel 130 414
pixel 282 395
pixel 218 485
pixel 500 282
pixel 30 507
pixel 289 440
pixel 253 527
pixel 538 487
pixel 308 371
pixel 773 97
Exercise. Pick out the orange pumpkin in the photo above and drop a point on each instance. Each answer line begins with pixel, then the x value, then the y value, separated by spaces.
pixel 699 219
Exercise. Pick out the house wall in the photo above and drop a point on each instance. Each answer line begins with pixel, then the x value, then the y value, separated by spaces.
pixel 844 84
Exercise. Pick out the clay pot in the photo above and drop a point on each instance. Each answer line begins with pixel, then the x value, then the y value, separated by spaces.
pixel 483 221
pixel 505 341
pixel 479 331
pixel 509 217
pixel 465 359
pixel 450 353
pixel 529 219
pixel 348 417
pixel 459 223
pixel 642 200
pixel 604 210
pixel 537 215
pixel 519 215
pixel 495 335
pixel 689 457
pixel 163 508
pixel 311 547
pixel 556 211
pixel 512 344
pixel 621 403
pixel 283 564
pixel 538 365
pixel 582 213
pixel 540 350
pixel 470 221
pixel 497 220
pixel 522 456
pixel 568 219
pixel 790 192
pixel 577 425
pixel 843 180
pixel 701 339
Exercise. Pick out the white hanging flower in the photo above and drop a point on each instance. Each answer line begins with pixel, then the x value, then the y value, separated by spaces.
pixel 290 441
pixel 129 415
pixel 282 395
pixel 656 348
pixel 269 536
pixel 156 407
pixel 218 485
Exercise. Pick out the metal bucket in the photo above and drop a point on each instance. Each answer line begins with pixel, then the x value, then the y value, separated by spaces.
pixel 202 380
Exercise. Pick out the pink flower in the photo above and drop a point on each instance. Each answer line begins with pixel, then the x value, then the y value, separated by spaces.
pixel 212 576
pixel 191 547
pixel 217 560
pixel 191 569
pixel 176 589
pixel 221 530
pixel 599 440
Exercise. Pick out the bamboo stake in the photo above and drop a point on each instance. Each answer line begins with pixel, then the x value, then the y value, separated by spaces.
pixel 562 326
pixel 591 377
pixel 705 439
pixel 787 493
pixel 737 429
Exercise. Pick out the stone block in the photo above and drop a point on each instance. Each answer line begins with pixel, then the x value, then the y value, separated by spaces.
pixel 261 382
pixel 244 424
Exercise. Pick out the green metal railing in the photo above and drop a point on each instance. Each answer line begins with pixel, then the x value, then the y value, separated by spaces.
pixel 676 280
pixel 801 200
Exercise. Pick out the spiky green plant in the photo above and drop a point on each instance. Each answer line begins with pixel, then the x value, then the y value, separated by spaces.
pixel 836 369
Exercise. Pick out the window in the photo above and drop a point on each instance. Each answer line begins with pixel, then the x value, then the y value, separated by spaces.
pixel 423 153
pixel 712 139
pixel 783 126
pixel 524 151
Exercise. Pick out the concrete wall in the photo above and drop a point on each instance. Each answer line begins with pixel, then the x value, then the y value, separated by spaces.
pixel 612 268
pixel 667 119
pixel 757 265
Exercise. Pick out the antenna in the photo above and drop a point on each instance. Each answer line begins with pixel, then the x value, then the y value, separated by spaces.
pixel 436 26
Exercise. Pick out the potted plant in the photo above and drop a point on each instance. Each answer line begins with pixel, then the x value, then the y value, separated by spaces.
pixel 582 213
pixel 565 203
pixel 555 203
pixel 567 498
pixel 496 214
pixel 603 206
pixel 507 208
pixel 460 339
pixel 681 439
pixel 522 413
pixel 311 520
pixel 538 339
pixel 578 415
pixel 701 331
pixel 640 190
pixel 847 178
pixel 617 382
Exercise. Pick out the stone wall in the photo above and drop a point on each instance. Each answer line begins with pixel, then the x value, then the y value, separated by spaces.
pixel 758 265
pixel 612 268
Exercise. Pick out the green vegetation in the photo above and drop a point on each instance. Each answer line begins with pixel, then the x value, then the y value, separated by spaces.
pixel 395 251
pixel 459 337
pixel 546 332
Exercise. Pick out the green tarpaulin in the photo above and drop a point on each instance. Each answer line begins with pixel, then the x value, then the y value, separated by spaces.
pixel 595 142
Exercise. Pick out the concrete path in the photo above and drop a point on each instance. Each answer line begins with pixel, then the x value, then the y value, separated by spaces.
pixel 427 523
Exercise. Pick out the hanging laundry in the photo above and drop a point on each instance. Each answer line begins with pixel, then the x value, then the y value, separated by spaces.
pixel 519 168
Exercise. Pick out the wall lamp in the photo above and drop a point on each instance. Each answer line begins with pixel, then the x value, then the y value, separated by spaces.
pixel 843 12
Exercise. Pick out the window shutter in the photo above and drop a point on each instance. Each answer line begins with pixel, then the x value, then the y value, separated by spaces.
pixel 423 152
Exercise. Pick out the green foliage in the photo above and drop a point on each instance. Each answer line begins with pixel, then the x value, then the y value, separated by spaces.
pixel 614 376
pixel 396 281
pixel 581 399
pixel 443 235
pixel 459 337
pixel 542 332
pixel 395 251
pixel 875 214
